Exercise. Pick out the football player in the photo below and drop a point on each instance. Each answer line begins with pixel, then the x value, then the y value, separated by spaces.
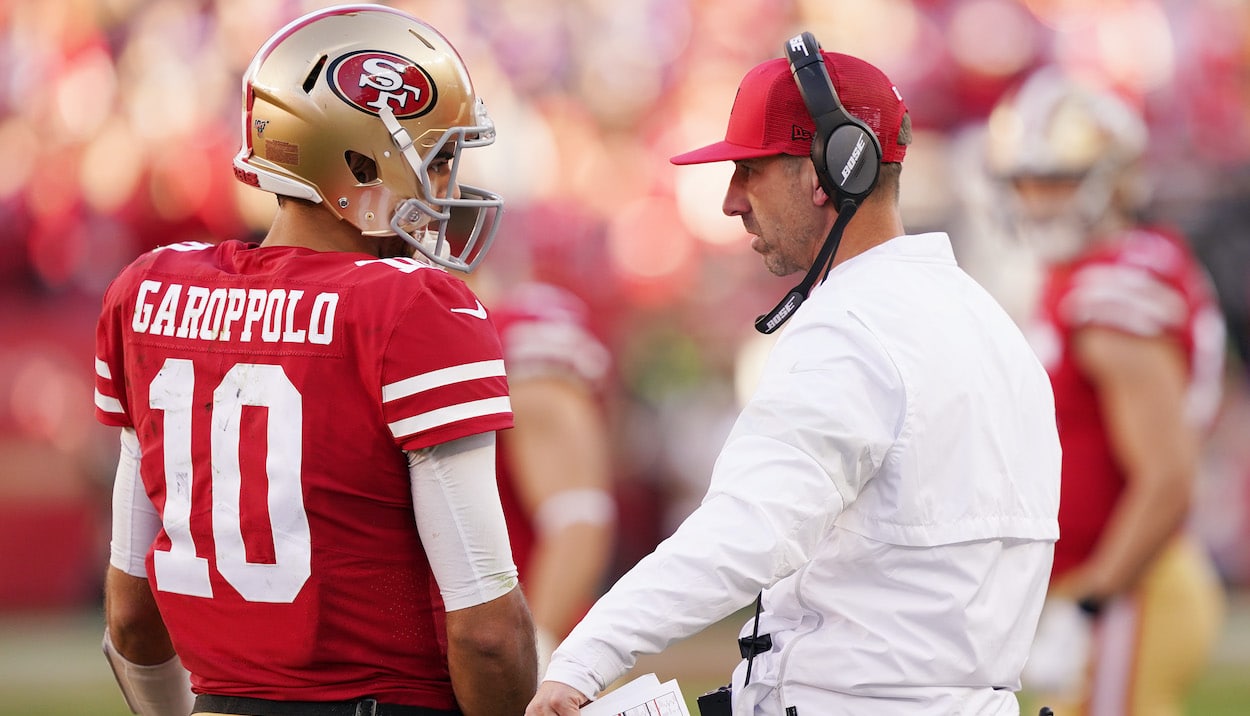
pixel 1128 329
pixel 306 514
pixel 554 466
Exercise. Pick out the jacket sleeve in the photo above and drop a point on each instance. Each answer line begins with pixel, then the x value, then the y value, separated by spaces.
pixel 801 451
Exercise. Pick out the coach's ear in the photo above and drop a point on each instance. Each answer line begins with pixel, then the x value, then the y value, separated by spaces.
pixel 819 197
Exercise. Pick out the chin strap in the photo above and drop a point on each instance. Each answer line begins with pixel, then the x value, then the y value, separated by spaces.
pixel 400 136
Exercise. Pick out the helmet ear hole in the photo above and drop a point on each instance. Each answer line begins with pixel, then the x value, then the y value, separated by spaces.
pixel 363 168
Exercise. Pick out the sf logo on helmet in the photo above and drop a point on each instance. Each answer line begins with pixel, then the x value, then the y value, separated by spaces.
pixel 372 79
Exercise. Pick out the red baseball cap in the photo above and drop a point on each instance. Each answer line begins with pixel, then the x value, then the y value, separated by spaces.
pixel 769 116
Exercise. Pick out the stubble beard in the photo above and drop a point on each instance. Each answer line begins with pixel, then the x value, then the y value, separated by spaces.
pixel 778 266
pixel 779 261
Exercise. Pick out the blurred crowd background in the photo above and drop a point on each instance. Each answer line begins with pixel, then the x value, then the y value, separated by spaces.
pixel 119 119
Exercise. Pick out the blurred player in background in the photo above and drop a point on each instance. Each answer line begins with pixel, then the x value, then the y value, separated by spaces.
pixel 1129 331
pixel 554 466
pixel 306 513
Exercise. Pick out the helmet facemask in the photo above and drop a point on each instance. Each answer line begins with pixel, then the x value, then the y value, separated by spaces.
pixel 423 220
pixel 1060 230
pixel 1060 132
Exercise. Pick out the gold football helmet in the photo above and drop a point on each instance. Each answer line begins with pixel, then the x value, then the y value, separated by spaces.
pixel 1056 131
pixel 365 109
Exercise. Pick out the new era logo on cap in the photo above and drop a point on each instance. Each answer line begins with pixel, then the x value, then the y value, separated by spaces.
pixel 800 134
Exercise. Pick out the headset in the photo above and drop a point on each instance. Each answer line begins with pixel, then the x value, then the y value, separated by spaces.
pixel 847 157
pixel 843 143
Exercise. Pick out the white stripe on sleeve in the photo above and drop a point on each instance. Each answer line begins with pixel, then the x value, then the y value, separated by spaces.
pixel 108 404
pixel 1126 298
pixel 442 377
pixel 450 414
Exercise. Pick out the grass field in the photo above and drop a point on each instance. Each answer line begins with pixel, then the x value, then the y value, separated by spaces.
pixel 51 665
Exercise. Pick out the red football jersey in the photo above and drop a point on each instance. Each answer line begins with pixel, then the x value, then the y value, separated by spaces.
pixel 274 391
pixel 1144 282
pixel 545 331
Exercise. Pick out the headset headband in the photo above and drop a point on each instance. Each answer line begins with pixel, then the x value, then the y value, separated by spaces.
pixel 841 147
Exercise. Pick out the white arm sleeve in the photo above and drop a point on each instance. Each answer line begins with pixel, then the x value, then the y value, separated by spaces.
pixel 135 519
pixel 160 690
pixel 590 506
pixel 456 501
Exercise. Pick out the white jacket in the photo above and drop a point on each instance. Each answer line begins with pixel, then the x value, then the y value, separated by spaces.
pixel 894 480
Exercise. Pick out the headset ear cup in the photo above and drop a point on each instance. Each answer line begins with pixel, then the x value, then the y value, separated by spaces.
pixel 853 160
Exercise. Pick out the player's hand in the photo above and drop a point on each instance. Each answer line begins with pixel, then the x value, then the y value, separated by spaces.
pixel 556 699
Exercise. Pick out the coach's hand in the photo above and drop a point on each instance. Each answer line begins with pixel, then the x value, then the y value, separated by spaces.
pixel 556 699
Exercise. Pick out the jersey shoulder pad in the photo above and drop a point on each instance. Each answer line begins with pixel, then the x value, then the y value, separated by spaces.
pixel 545 330
pixel 1155 250
pixel 1134 283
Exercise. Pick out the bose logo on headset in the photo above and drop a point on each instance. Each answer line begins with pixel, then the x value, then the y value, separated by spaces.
pixel 850 163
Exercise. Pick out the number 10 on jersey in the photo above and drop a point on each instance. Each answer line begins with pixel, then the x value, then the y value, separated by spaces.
pixel 180 569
